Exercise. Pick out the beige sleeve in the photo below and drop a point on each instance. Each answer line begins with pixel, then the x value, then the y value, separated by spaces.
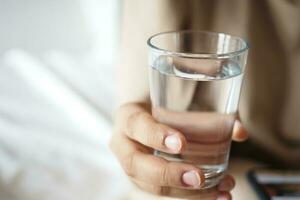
pixel 141 19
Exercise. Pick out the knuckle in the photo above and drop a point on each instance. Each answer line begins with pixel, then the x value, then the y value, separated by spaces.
pixel 154 138
pixel 128 165
pixel 164 174
pixel 162 191
pixel 132 120
pixel 159 135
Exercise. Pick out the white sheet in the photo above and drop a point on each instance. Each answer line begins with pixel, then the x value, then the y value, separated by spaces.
pixel 56 100
pixel 53 144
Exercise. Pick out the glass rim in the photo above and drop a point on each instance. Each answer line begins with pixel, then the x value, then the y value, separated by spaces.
pixel 199 55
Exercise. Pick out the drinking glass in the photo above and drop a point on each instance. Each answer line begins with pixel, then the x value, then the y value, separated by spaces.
pixel 195 83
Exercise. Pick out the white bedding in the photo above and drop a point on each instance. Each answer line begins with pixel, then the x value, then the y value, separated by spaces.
pixel 56 100
pixel 53 144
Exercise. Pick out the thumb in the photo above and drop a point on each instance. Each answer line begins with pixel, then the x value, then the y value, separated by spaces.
pixel 239 132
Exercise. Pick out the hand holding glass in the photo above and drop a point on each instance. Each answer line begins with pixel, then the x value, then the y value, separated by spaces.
pixel 195 83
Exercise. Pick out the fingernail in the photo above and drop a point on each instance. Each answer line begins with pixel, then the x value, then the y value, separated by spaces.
pixel 191 178
pixel 222 197
pixel 236 126
pixel 173 143
pixel 239 131
pixel 226 186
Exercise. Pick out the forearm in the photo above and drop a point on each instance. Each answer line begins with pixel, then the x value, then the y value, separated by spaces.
pixel 140 20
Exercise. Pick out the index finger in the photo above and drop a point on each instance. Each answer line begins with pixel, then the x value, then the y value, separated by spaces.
pixel 143 128
pixel 207 127
pixel 145 167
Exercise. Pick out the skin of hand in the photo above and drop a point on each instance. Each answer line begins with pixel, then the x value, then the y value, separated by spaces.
pixel 137 134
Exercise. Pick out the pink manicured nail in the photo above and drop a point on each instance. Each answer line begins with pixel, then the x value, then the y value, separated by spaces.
pixel 173 143
pixel 226 185
pixel 222 198
pixel 191 178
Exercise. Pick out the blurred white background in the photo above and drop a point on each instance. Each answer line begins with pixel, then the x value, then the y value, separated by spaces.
pixel 57 62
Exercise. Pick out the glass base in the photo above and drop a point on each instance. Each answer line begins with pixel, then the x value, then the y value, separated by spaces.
pixel 212 173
